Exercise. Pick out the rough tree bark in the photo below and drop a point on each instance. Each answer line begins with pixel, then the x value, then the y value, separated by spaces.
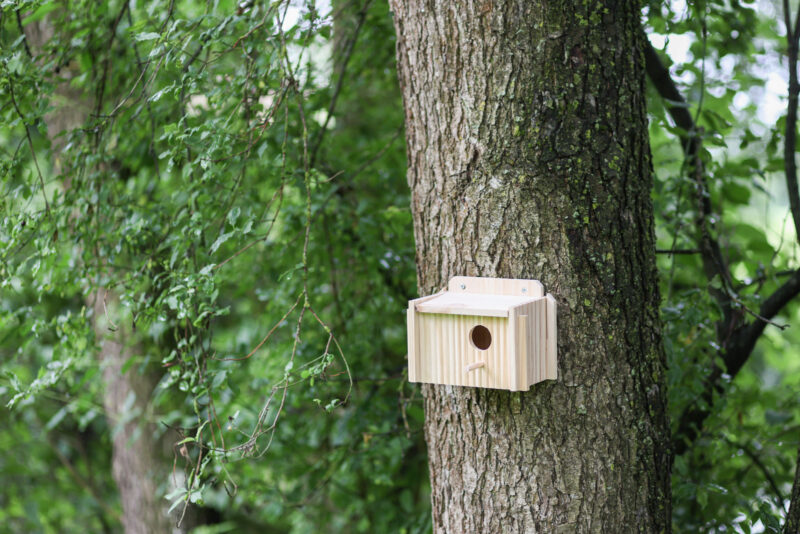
pixel 529 158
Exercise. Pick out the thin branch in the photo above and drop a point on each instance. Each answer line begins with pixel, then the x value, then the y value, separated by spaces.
pixel 750 453
pixel 764 277
pixel 24 35
pixel 30 143
pixel 743 341
pixel 362 15
pixel 711 252
pixel 736 337
pixel 107 61
pixel 787 19
pixel 678 251
pixel 790 139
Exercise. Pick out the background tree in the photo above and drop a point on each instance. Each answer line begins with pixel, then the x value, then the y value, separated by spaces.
pixel 137 458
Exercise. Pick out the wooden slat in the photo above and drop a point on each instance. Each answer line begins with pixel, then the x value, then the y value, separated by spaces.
pixel 552 341
pixel 445 350
pixel 413 361
pixel 496 286
pixel 483 305
pixel 420 300
pixel 521 361
pixel 532 347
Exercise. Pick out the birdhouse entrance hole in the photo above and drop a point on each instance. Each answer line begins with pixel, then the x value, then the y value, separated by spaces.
pixel 480 337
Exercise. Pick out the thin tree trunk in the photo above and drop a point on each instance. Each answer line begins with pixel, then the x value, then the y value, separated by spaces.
pixel 529 158
pixel 138 459
pixel 792 524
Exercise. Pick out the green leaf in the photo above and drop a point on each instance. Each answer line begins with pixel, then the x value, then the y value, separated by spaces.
pixel 735 193
pixel 40 12
pixel 147 36
pixel 233 215
pixel 220 240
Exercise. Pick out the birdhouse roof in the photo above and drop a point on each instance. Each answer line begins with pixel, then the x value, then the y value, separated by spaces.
pixel 485 305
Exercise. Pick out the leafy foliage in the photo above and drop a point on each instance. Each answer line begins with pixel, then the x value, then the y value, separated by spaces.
pixel 248 217
pixel 737 475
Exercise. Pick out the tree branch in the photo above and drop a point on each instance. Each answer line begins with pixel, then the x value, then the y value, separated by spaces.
pixel 348 53
pixel 22 32
pixel 790 139
pixel 30 143
pixel 736 337
pixel 753 455
pixel 711 253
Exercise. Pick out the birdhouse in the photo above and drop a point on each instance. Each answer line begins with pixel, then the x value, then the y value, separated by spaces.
pixel 483 332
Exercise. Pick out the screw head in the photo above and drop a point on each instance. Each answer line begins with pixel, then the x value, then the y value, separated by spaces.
pixel 524 289
pixel 463 286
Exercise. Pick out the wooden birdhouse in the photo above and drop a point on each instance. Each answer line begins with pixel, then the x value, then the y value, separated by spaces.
pixel 483 332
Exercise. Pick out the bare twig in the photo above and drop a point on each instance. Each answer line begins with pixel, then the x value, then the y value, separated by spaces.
pixel 22 31
pixel 30 143
pixel 790 165
pixel 351 43
pixel 778 494
pixel 678 251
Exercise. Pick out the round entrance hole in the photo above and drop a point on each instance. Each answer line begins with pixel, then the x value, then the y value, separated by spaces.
pixel 480 337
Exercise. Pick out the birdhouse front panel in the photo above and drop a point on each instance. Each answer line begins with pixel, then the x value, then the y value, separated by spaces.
pixel 450 344
pixel 483 332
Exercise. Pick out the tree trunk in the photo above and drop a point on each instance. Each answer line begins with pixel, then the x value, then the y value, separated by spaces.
pixel 792 524
pixel 138 459
pixel 528 158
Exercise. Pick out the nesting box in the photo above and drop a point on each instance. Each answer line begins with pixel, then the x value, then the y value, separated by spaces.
pixel 483 332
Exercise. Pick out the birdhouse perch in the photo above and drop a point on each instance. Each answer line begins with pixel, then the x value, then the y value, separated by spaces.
pixel 483 332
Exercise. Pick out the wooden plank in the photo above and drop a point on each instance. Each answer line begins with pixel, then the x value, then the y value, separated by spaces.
pixel 484 305
pixel 413 363
pixel 496 286
pixel 533 357
pixel 420 300
pixel 521 359
pixel 444 350
pixel 552 339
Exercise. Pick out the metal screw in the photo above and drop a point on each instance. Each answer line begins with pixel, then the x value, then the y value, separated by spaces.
pixel 524 289
pixel 463 286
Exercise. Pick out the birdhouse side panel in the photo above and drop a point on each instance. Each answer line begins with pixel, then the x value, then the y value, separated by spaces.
pixel 413 339
pixel 537 363
pixel 551 369
pixel 447 353
pixel 413 353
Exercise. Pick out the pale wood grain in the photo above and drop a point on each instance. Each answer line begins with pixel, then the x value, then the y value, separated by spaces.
pixel 522 325
pixel 472 304
pixel 496 286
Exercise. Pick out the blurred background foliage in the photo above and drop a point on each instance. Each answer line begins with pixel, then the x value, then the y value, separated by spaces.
pixel 233 199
